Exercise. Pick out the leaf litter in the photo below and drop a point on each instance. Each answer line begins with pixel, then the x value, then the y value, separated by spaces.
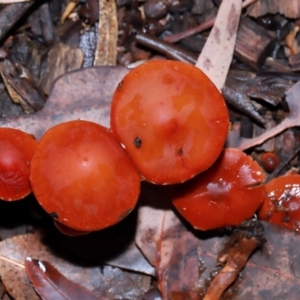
pixel 49 282
pixel 83 94
pixel 106 282
pixel 164 239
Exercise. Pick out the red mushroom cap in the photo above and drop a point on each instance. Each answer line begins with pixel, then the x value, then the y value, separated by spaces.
pixel 16 151
pixel 269 161
pixel 282 202
pixel 171 120
pixel 226 194
pixel 82 177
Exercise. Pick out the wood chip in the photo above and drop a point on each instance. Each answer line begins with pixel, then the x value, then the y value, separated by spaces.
pixel 68 10
pixel 61 59
pixel 106 51
pixel 11 14
pixel 253 43
pixel 290 9
pixel 8 73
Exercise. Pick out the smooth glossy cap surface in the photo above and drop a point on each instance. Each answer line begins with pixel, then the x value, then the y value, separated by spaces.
pixel 226 194
pixel 269 161
pixel 282 202
pixel 82 177
pixel 171 119
pixel 16 151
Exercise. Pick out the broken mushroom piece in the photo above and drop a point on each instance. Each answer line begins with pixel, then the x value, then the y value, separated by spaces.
pixel 227 194
pixel 171 120
pixel 82 177
pixel 16 150
pixel 282 202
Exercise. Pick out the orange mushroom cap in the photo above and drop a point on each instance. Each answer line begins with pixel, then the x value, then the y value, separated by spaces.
pixel 282 202
pixel 82 177
pixel 269 161
pixel 226 194
pixel 171 120
pixel 16 150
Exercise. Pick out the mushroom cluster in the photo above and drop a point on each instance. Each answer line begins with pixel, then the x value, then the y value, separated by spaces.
pixel 169 124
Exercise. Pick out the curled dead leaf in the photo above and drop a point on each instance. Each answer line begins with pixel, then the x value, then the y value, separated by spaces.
pixel 51 284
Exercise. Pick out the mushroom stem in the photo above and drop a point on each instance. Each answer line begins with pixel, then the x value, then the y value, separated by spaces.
pixel 246 238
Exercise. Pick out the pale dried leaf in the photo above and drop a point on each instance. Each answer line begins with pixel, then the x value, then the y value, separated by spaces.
pixel 216 56
pixel 84 94
pixel 122 251
pixel 151 225
pixel 132 259
pixel 166 242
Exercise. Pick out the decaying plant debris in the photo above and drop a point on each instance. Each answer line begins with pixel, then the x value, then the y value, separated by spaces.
pixel 48 54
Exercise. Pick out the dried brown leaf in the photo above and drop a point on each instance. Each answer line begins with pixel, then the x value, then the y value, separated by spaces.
pixel 271 273
pixel 107 281
pixel 165 241
pixel 51 284
pixel 216 56
pixel 84 94
pixel 13 252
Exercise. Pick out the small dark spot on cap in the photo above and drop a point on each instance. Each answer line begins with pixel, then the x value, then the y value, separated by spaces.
pixel 53 215
pixel 138 142
pixel 180 151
